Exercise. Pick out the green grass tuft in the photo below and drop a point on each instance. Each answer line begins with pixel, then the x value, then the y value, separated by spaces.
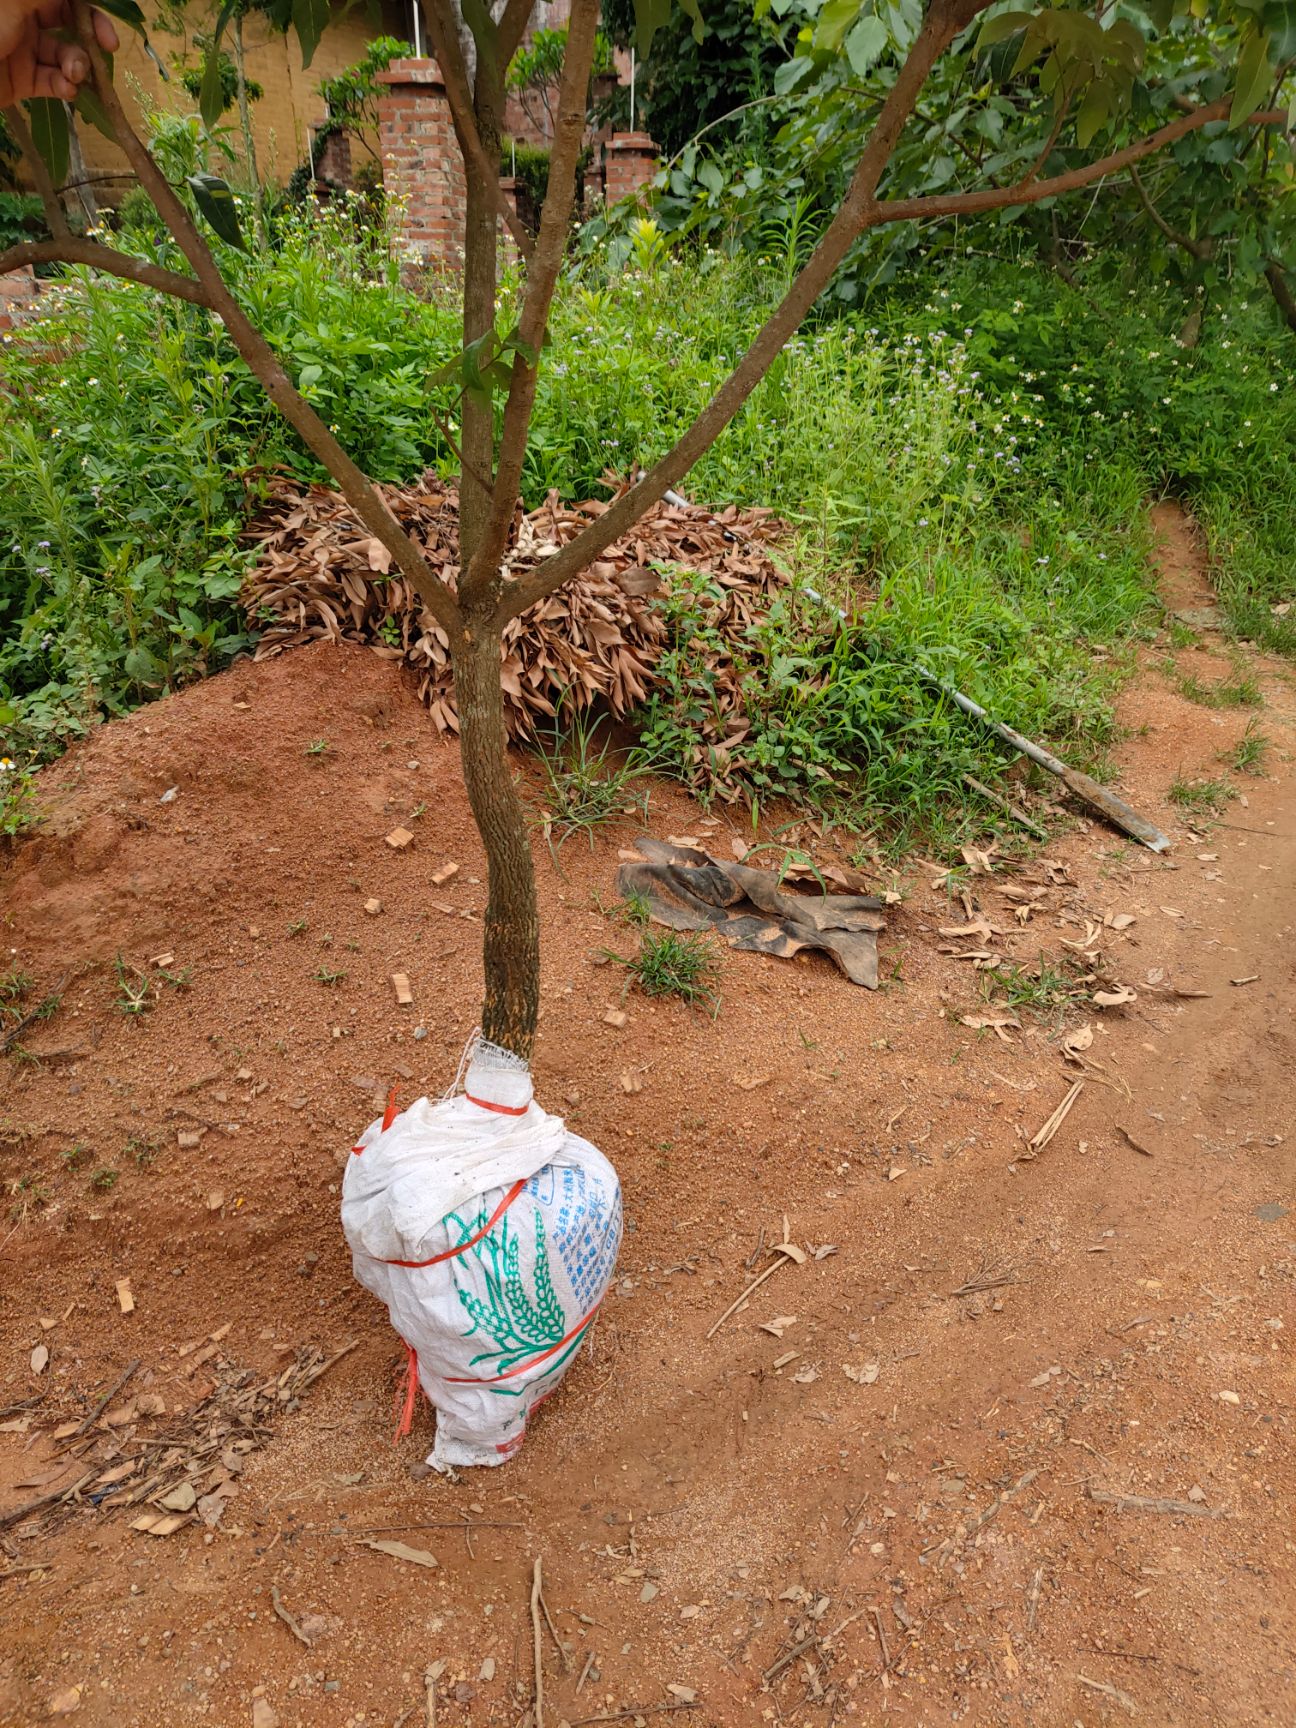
pixel 1248 755
pixel 1201 797
pixel 680 963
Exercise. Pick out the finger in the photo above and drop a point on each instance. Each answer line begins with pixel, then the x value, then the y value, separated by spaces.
pixel 49 81
pixel 73 62
pixel 105 33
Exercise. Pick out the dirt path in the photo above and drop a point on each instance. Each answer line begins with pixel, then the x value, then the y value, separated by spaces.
pixel 948 1505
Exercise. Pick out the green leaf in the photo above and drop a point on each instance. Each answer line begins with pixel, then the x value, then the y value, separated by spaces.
pixel 211 95
pixel 865 43
pixel 1094 113
pixel 216 202
pixel 1252 78
pixel 711 177
pixel 142 666
pixel 650 16
pixel 49 130
pixel 126 10
pixel 90 108
pixel 835 19
pixel 695 13
pixel 309 20
pixel 1003 25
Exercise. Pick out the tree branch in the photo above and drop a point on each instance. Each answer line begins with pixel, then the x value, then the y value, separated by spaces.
pixel 859 213
pixel 1200 249
pixel 55 215
pixel 512 27
pixel 358 490
pixel 542 279
pixel 70 250
pixel 944 20
pixel 445 40
pixel 922 209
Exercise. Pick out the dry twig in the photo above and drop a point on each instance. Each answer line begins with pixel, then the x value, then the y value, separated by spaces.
pixel 537 1584
pixel 288 1620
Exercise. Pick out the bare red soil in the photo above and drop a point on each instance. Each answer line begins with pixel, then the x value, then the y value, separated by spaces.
pixel 916 1517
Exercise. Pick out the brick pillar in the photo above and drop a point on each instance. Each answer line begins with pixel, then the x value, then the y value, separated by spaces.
pixel 422 167
pixel 508 245
pixel 629 163
pixel 18 290
pixel 333 162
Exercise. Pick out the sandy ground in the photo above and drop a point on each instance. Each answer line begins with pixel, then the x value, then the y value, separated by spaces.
pixel 1022 1451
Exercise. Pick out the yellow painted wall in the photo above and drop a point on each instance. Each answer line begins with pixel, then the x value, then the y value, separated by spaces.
pixel 285 114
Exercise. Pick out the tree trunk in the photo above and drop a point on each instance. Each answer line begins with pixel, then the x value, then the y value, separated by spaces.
pixel 511 945
pixel 479 287
pixel 76 164
pixel 511 948
pixel 1281 290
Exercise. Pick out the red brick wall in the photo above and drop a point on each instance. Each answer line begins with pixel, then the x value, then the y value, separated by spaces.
pixel 422 167
pixel 333 162
pixel 18 291
pixel 629 163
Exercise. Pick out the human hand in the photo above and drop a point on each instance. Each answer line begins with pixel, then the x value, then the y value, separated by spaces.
pixel 36 58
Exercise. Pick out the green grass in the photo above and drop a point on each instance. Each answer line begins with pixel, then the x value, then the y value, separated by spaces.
pixel 965 460
pixel 1044 990
pixel 680 963
pixel 1239 691
pixel 1248 755
pixel 1201 797
pixel 588 784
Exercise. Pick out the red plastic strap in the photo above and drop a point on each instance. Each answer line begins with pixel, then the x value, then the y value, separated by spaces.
pixel 499 1109
pixel 405 1403
pixel 487 1227
pixel 389 1116
pixel 534 1362
pixel 390 1113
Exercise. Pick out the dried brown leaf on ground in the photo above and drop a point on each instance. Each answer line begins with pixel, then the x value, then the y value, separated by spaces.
pixel 599 637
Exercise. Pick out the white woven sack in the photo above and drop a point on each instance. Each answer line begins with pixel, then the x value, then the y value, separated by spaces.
pixel 491 1233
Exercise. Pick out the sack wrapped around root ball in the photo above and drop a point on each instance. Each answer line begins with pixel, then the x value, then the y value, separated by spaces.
pixel 491 1233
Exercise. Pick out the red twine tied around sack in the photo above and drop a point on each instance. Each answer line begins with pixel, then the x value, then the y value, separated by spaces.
pixel 389 1116
pixel 405 1398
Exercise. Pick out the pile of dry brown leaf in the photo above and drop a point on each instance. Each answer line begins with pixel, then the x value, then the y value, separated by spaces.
pixel 320 574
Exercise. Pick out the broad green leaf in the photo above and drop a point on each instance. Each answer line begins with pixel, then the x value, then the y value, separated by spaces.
pixel 49 129
pixel 790 73
pixel 694 11
pixel 1252 78
pixel 711 177
pixel 835 19
pixel 650 16
pixel 216 202
pixel 309 20
pixel 1004 24
pixel 865 43
pixel 211 95
pixel 90 108
pixel 1094 113
pixel 126 10
pixel 144 667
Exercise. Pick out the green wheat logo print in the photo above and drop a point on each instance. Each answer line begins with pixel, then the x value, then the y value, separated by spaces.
pixel 519 1325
